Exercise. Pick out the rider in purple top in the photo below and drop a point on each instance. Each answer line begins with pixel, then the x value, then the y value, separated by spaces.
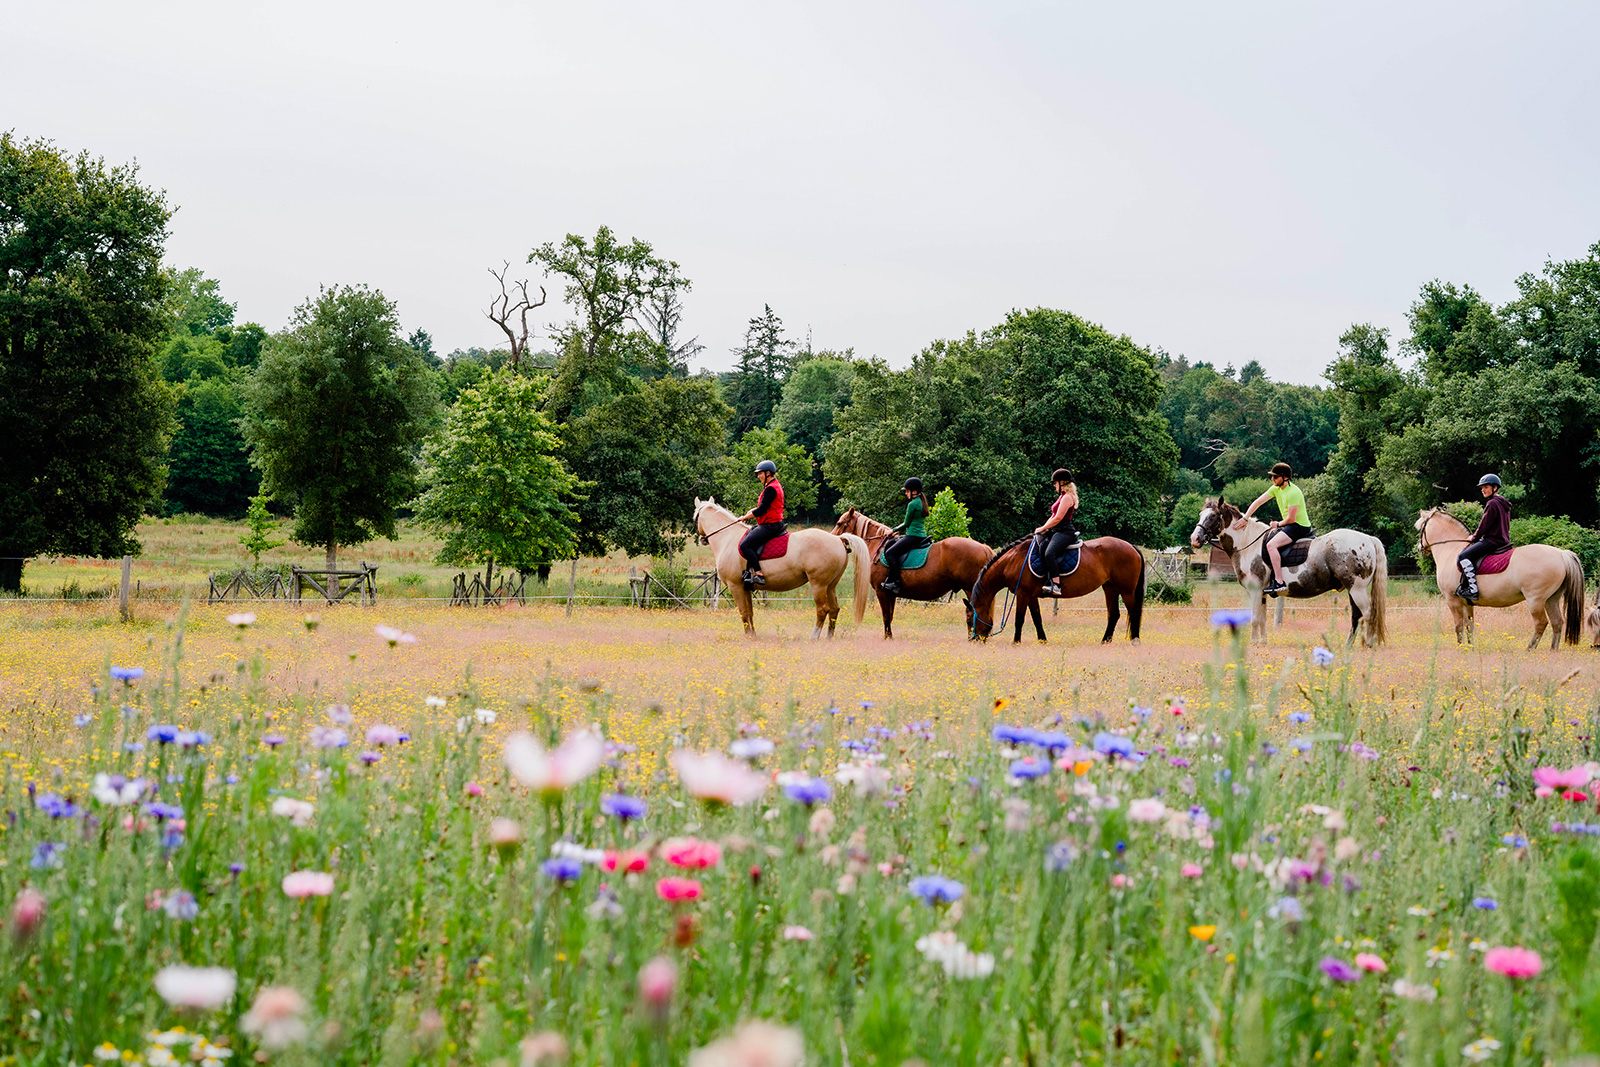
pixel 1492 537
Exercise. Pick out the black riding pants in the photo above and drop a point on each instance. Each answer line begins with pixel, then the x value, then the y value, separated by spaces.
pixel 1056 549
pixel 751 544
pixel 901 547
pixel 1477 550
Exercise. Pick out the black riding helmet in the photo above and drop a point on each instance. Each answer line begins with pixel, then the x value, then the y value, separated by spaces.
pixel 913 485
pixel 766 465
pixel 1489 479
pixel 1062 474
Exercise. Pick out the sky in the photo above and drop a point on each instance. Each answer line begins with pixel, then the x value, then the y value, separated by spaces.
pixel 1225 181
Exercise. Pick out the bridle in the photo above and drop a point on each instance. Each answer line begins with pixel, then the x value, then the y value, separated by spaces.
pixel 1215 540
pixel 1422 534
pixel 857 525
pixel 704 538
pixel 972 624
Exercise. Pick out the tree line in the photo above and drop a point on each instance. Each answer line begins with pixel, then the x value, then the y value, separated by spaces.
pixel 133 391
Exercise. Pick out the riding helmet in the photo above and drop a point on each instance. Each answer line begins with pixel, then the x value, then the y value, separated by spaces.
pixel 766 465
pixel 1062 475
pixel 1281 470
pixel 913 485
pixel 1489 479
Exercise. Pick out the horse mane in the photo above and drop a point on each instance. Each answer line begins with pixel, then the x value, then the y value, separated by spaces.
pixel 1007 547
pixel 1440 512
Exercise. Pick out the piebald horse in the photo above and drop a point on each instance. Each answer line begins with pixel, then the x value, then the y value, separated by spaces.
pixel 1339 559
pixel 1109 564
pixel 952 566
pixel 1550 579
pixel 813 556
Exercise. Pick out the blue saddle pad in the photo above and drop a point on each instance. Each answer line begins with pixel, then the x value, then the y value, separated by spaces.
pixel 914 559
pixel 1069 562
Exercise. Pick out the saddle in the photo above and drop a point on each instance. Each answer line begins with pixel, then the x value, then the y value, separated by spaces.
pixel 915 559
pixel 1496 563
pixel 775 547
pixel 1069 562
pixel 1294 553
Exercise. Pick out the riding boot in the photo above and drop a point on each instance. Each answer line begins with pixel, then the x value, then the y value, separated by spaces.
pixel 757 577
pixel 1468 589
pixel 891 584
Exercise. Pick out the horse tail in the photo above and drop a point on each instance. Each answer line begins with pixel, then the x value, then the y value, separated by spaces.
pixel 1380 595
pixel 863 566
pixel 1136 605
pixel 1572 590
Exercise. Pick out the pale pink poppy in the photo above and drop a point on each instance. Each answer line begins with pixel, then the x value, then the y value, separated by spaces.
pixel 1192 870
pixel 798 933
pixel 691 852
pixel 27 913
pixel 715 777
pixel 754 1044
pixel 678 889
pixel 1148 809
pixel 205 988
pixel 657 980
pixel 1367 961
pixel 1513 962
pixel 274 1017
pixel 574 760
pixel 308 884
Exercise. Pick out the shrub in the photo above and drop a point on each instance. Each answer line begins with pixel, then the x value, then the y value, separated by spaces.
pixel 1160 589
pixel 947 517
pixel 1185 513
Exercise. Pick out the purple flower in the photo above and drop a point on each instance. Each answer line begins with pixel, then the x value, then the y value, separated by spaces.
pixel 1514 841
pixel 370 757
pixel 236 867
pixel 1322 657
pixel 382 734
pixel 937 889
pixel 82 720
pixel 562 868
pixel 1058 856
pixel 272 740
pixel 1485 903
pixel 192 738
pixel 1299 716
pixel 329 737
pixel 46 855
pixel 339 714
pixel 1231 619
pixel 165 733
pixel 164 811
pixel 56 807
pixel 180 904
pixel 171 838
pixel 1338 969
pixel 808 791
pixel 1178 761
pixel 1029 768
pixel 127 674
pixel 1113 745
pixel 621 806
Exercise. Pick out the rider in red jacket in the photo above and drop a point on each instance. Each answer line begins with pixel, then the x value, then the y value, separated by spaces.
pixel 768 516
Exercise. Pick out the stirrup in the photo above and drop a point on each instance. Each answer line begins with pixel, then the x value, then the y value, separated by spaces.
pixel 758 578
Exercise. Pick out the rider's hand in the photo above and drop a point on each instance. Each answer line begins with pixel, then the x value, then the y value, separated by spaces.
pixel 1238 524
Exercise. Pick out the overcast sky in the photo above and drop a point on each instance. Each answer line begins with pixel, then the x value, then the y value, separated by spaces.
pixel 1227 181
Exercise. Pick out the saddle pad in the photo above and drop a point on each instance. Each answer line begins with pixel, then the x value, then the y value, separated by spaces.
pixel 1295 553
pixel 775 547
pixel 1496 563
pixel 1069 562
pixel 914 559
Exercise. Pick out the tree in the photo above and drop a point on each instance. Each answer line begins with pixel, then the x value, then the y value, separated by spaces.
pixel 1375 397
pixel 659 316
pixel 422 341
pixel 82 311
pixel 765 358
pixel 258 538
pixel 816 391
pixel 494 486
pixel 513 301
pixel 736 483
pixel 948 516
pixel 334 415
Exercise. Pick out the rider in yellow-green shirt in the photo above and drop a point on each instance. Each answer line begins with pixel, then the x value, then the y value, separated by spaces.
pixel 1293 522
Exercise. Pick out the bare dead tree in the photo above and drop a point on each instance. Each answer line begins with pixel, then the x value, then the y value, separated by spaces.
pixel 513 301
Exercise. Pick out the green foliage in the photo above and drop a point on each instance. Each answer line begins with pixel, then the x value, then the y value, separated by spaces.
pixel 1159 589
pixel 737 487
pixel 334 414
pixel 82 310
pixel 755 386
pixel 259 537
pixel 1244 491
pixel 1185 515
pixel 813 395
pixel 1560 532
pixel 494 487
pixel 992 416
pixel 948 516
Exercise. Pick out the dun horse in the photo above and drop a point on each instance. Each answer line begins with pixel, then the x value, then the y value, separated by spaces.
pixel 952 566
pixel 1106 563
pixel 1550 579
pixel 813 556
pixel 1339 559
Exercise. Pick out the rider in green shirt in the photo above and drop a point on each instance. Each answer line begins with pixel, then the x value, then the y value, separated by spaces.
pixel 1292 524
pixel 914 534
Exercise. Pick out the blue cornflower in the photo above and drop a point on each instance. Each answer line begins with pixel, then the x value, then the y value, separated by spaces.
pixel 1322 657
pixel 1485 903
pixel 46 855
pixel 127 674
pixel 180 904
pixel 562 868
pixel 164 811
pixel 1299 716
pixel 808 791
pixel 1029 768
pixel 171 838
pixel 1514 841
pixel 1287 908
pixel 1301 744
pixel 1051 740
pixel 1143 713
pixel 1016 735
pixel 1059 855
pixel 133 746
pixel 165 733
pixel 1232 619
pixel 833 709
pixel 236 867
pixel 937 889
pixel 193 738
pixel 82 720
pixel 232 779
pixel 1112 745
pixel 866 705
pixel 1268 748
pixel 621 806
pixel 56 807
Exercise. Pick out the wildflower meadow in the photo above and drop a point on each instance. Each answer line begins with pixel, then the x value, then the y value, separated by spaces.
pixel 356 840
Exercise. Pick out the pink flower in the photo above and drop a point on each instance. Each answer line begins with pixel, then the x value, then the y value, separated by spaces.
pixel 1577 796
pixel 1370 962
pixel 474 789
pixel 1149 809
pixel 552 772
pixel 1554 779
pixel 627 861
pixel 753 1044
pixel 1192 870
pixel 678 889
pixel 308 884
pixel 657 980
pixel 1544 791
pixel 27 913
pixel 274 1017
pixel 798 933
pixel 715 777
pixel 1514 962
pixel 1119 881
pixel 382 734
pixel 691 852
pixel 504 834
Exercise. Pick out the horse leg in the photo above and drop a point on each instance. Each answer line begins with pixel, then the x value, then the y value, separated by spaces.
pixel 1025 601
pixel 1558 618
pixel 1113 613
pixel 1038 622
pixel 833 608
pixel 1540 621
pixel 746 604
pixel 819 597
pixel 886 603
pixel 1258 615
pixel 1360 604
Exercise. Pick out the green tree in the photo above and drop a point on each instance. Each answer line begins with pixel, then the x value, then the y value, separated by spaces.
pixel 816 391
pixel 1185 514
pixel 1456 331
pixel 494 487
pixel 754 387
pixel 82 311
pixel 948 516
pixel 1375 398
pixel 334 414
pixel 258 538
pixel 736 483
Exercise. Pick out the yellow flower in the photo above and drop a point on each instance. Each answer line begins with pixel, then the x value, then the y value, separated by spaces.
pixel 1000 703
pixel 1202 933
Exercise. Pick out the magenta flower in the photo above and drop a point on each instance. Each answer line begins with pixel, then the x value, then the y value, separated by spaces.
pixel 1338 969
pixel 1513 962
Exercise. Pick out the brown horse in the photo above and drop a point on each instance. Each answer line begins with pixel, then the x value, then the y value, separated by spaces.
pixel 953 565
pixel 1106 563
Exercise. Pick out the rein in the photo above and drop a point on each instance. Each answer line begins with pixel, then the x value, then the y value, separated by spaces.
pixel 705 538
pixel 972 630
pixel 1427 546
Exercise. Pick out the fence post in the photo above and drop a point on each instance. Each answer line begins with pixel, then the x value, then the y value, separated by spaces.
pixel 122 589
pixel 572 586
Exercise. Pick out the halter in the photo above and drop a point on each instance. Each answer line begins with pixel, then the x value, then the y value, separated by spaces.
pixel 1222 526
pixel 972 626
pixel 1422 534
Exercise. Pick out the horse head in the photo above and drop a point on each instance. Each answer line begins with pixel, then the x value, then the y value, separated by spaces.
pixel 845 521
pixel 1211 522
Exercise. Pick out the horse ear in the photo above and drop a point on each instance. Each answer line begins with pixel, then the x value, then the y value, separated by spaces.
pixel 1220 500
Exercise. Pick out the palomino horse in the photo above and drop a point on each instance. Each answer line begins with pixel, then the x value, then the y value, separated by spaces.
pixel 1339 559
pixel 953 565
pixel 1105 563
pixel 813 556
pixel 1550 579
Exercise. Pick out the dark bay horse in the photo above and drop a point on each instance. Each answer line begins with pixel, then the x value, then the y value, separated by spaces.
pixel 1106 563
pixel 953 565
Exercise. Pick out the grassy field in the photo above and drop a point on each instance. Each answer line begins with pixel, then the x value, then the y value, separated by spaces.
pixel 1217 895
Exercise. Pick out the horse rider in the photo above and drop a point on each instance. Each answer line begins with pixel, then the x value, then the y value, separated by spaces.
pixel 1293 522
pixel 914 534
pixel 1492 537
pixel 768 517
pixel 1059 529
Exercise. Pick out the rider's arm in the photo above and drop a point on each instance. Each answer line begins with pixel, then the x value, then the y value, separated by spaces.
pixel 766 497
pixel 1262 499
pixel 1294 513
